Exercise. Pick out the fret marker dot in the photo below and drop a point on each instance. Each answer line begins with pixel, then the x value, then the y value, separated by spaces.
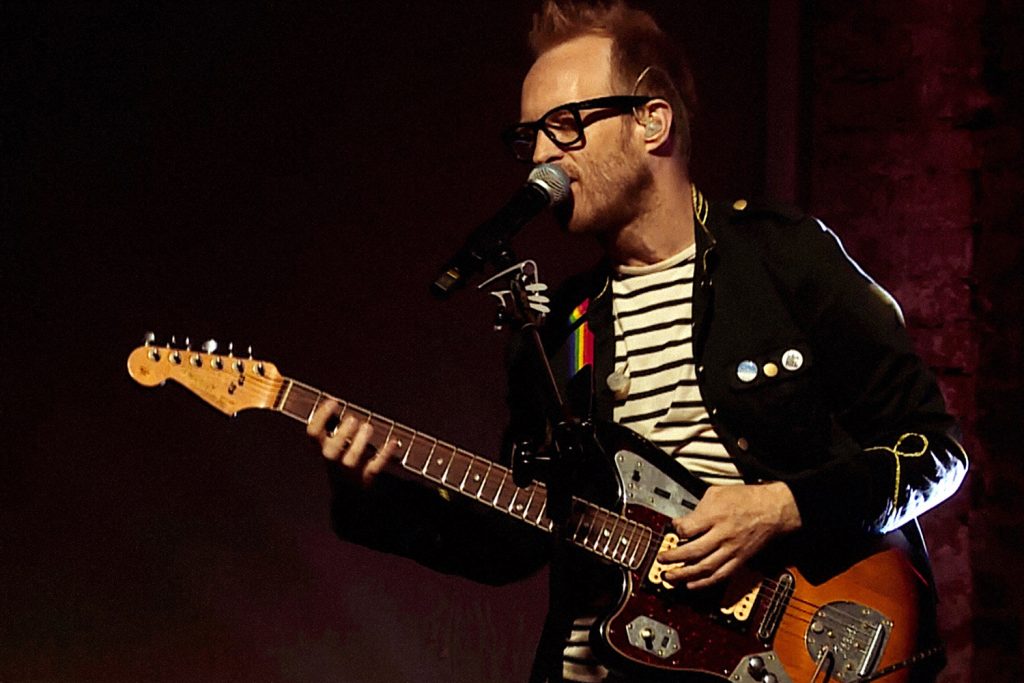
pixel 399 444
pixel 439 461
pixel 623 541
pixel 476 477
pixel 607 534
pixel 519 507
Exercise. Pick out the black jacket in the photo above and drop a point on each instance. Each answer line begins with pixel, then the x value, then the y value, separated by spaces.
pixel 858 431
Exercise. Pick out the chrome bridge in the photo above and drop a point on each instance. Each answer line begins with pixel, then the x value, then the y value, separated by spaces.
pixel 846 640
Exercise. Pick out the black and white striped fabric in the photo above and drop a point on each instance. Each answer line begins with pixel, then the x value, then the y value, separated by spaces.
pixel 654 348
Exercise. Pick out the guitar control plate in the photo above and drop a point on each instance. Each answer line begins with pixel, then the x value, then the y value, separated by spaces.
pixel 653 636
pixel 649 487
pixel 760 667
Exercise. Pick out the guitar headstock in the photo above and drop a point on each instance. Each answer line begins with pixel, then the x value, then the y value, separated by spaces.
pixel 227 382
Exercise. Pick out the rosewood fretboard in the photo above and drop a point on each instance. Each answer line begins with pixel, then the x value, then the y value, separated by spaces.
pixel 605 533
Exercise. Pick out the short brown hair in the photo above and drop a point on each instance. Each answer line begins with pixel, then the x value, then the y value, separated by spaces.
pixel 638 44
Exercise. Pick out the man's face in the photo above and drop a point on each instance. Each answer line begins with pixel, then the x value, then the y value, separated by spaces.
pixel 609 172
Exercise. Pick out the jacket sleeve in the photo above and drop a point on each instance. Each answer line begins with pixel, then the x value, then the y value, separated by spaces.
pixel 883 395
pixel 444 532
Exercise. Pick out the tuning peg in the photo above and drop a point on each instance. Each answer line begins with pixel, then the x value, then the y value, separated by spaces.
pixel 237 365
pixel 188 344
pixel 250 352
pixel 209 346
pixel 175 357
pixel 149 338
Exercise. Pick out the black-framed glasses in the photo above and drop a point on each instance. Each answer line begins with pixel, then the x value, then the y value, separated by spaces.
pixel 564 125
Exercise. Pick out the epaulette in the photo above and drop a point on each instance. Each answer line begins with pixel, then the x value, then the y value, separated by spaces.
pixel 743 209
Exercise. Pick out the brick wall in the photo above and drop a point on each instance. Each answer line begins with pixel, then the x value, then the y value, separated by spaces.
pixel 916 161
pixel 997 512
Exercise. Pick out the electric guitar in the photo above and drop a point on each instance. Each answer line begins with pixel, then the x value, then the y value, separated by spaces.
pixel 856 620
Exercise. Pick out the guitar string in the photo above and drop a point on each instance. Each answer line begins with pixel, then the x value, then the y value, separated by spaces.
pixel 795 605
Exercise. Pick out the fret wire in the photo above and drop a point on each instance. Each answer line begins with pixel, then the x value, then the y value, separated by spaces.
pixel 579 525
pixel 316 402
pixel 611 535
pixel 430 456
pixel 604 535
pixel 597 517
pixel 430 462
pixel 497 494
pixel 529 501
pixel 465 475
pixel 550 525
pixel 459 459
pixel 284 398
pixel 483 482
pixel 633 544
pixel 390 432
pixel 512 506
pixel 622 543
pixel 632 540
pixel 543 509
pixel 633 528
pixel 474 470
pixel 625 540
pixel 647 537
pixel 284 405
pixel 448 466
pixel 405 456
pixel 588 528
pixel 615 542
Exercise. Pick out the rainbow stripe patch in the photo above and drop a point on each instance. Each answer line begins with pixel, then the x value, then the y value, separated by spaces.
pixel 581 340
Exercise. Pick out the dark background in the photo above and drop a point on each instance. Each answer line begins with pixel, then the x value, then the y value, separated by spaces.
pixel 289 178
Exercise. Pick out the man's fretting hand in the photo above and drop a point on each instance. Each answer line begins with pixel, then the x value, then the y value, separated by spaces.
pixel 348 444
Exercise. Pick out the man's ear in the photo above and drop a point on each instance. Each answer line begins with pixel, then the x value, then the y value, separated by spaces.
pixel 656 119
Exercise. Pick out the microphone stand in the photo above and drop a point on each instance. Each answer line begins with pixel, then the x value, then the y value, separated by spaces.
pixel 555 466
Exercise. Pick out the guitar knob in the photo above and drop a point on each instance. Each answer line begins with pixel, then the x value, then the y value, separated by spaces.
pixel 770 678
pixel 755 667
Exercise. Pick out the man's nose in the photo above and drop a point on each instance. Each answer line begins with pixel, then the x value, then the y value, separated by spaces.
pixel 546 151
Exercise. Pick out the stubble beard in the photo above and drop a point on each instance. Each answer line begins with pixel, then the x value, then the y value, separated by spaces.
pixel 617 192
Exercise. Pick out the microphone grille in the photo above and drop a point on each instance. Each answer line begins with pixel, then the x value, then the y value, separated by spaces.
pixel 553 180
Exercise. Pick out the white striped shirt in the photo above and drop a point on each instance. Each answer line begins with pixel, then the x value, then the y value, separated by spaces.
pixel 653 315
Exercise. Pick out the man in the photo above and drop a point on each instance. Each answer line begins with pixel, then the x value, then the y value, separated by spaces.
pixel 740 340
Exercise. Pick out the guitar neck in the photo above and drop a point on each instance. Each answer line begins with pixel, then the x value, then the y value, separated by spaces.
pixel 607 534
